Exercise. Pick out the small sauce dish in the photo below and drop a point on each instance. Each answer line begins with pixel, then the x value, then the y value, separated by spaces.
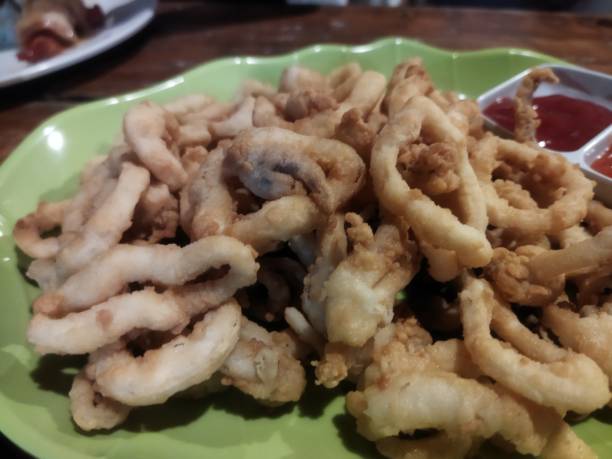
pixel 583 96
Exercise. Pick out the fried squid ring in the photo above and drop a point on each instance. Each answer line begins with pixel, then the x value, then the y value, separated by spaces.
pixel 430 222
pixel 526 120
pixel 208 208
pixel 266 114
pixel 355 131
pixel 104 323
pixel 574 382
pixel 360 292
pixel 276 221
pixel 273 162
pixel 124 264
pixel 241 119
pixel 306 103
pixel 261 367
pixel 90 410
pixel 591 286
pixel 409 79
pixel 29 229
pixel 507 326
pixel 566 211
pixel 364 96
pixel 598 216
pixel 156 215
pixel 107 224
pixel 88 229
pixel 572 235
pixel 206 205
pixel 464 407
pixel 179 364
pixel 340 361
pixel 343 80
pixel 586 256
pixel 590 335
pixel 152 133
pixel 331 250
pixel 296 78
pixel 515 280
pixel 97 180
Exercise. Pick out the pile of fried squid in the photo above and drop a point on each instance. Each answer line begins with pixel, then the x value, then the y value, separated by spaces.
pixel 459 282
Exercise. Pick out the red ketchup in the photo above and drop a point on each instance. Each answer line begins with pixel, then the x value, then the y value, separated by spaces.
pixel 603 164
pixel 566 124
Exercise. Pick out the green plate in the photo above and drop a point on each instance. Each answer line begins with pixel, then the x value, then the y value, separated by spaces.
pixel 34 411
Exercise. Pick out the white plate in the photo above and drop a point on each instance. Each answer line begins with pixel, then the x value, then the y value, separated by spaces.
pixel 123 19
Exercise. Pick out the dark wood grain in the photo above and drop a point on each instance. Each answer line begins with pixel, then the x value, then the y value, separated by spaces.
pixel 186 33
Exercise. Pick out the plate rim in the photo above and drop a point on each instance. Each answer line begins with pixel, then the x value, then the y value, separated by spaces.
pixel 33 441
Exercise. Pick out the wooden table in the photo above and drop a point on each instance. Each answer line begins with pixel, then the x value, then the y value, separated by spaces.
pixel 186 33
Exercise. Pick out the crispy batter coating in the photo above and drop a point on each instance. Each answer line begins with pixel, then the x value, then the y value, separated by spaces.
pixel 437 225
pixel 92 411
pixel 579 384
pixel 152 132
pixel 232 243
pixel 124 263
pixel 515 280
pixel 179 364
pixel 361 290
pixel 260 366
pixel 525 116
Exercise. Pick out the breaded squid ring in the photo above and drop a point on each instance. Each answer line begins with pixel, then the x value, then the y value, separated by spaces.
pixel 90 410
pixel 590 335
pixel 241 119
pixel 507 326
pixel 409 79
pixel 364 95
pixel 107 224
pixel 102 324
pixel 463 407
pixel 574 382
pixel 360 292
pixel 156 215
pixel 432 223
pixel 96 181
pixel 331 250
pixel 29 229
pixel 274 162
pixel 515 280
pixel 85 235
pixel 124 264
pixel 276 221
pixel 179 364
pixel 526 120
pixel 563 213
pixel 585 256
pixel 208 208
pixel 152 132
pixel 260 366
pixel 297 78
pixel 598 216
